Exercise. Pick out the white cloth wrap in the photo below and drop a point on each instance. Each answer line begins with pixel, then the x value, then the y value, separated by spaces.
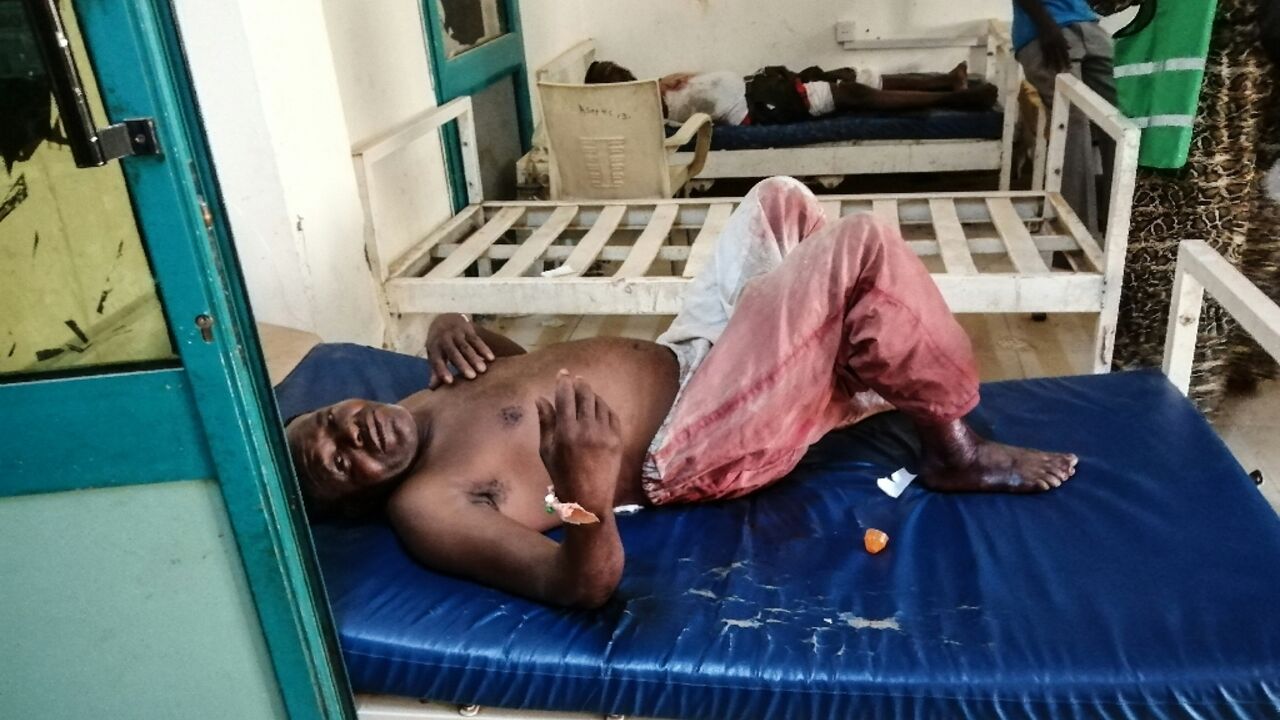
pixel 821 101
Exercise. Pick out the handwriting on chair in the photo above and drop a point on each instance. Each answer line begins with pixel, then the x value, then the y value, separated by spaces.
pixel 602 112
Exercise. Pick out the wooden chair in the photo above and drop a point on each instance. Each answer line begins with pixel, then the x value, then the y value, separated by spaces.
pixel 606 142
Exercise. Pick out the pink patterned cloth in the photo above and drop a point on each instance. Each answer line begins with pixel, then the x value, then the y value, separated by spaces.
pixel 795 327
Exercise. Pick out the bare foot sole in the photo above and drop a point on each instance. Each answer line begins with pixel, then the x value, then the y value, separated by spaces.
pixel 959 76
pixel 956 459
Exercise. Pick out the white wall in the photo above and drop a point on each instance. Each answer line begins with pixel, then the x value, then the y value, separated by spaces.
pixel 286 88
pixel 550 27
pixel 384 79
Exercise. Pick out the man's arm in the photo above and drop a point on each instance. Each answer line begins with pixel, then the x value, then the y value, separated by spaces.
pixel 446 531
pixel 1053 44
pixel 454 338
pixel 580 446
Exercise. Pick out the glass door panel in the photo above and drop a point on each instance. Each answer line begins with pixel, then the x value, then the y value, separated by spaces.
pixel 77 290
pixel 471 23
pixel 135 400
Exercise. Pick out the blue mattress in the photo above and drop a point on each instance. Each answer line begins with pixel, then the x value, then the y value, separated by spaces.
pixel 1146 588
pixel 916 125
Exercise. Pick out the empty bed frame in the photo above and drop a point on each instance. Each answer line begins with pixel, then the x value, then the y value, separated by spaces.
pixel 988 251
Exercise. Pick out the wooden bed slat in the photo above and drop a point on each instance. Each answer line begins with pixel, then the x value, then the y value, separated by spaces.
pixel 649 243
pixel 704 243
pixel 951 240
pixel 831 208
pixel 983 245
pixel 888 211
pixel 983 293
pixel 412 260
pixel 589 247
pixel 1078 231
pixel 474 246
pixel 1022 249
pixel 537 242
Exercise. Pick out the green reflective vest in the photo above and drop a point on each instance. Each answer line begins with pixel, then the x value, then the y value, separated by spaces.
pixel 1159 67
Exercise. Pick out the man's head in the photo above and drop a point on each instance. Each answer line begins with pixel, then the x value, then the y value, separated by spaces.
pixel 350 455
pixel 603 71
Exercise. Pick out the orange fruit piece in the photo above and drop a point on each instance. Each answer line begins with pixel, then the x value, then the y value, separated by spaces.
pixel 875 540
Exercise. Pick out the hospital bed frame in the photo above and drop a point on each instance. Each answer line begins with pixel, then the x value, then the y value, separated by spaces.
pixel 1199 269
pixel 830 162
pixel 989 252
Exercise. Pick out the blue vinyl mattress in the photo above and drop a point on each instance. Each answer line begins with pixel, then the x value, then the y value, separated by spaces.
pixel 1146 588
pixel 913 125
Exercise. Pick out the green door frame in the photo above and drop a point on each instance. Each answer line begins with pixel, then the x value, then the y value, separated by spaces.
pixel 208 414
pixel 471 72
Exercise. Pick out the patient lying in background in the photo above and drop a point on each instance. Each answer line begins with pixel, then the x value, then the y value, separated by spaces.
pixel 776 95
pixel 797 325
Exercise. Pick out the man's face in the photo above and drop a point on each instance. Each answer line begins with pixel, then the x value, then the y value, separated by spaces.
pixel 352 447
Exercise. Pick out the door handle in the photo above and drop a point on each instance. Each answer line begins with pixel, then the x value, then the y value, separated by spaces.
pixel 91 146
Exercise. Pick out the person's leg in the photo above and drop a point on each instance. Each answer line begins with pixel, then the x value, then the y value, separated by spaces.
pixel 850 320
pixel 771 220
pixel 1098 73
pixel 957 79
pixel 1078 188
pixel 856 96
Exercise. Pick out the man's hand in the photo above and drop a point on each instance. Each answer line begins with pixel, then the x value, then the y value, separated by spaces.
pixel 452 338
pixel 581 444
pixel 1053 46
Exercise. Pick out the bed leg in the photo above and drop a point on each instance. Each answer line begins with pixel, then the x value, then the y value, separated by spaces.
pixel 1104 343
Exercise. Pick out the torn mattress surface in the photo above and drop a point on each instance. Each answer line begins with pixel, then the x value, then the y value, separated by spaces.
pixel 1146 588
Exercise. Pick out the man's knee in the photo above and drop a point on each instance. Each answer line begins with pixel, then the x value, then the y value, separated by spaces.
pixel 778 185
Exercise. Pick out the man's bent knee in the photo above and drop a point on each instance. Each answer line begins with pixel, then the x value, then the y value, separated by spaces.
pixel 779 185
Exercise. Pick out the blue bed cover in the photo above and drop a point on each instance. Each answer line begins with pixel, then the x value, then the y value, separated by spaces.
pixel 914 125
pixel 1146 588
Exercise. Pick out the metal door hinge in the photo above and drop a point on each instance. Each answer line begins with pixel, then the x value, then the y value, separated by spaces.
pixel 128 138
pixel 91 146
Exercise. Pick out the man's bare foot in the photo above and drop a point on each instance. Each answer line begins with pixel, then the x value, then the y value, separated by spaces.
pixel 959 76
pixel 957 459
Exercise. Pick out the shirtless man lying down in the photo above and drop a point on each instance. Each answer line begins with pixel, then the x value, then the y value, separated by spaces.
pixel 796 326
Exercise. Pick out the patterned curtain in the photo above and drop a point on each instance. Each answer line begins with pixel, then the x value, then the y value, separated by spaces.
pixel 1218 197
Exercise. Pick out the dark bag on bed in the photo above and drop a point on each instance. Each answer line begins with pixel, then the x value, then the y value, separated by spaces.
pixel 773 97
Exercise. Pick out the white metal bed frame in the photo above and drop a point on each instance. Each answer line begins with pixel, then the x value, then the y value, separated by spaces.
pixel 830 162
pixel 988 250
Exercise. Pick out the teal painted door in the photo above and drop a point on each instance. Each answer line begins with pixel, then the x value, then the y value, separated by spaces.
pixel 155 561
pixel 477 50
